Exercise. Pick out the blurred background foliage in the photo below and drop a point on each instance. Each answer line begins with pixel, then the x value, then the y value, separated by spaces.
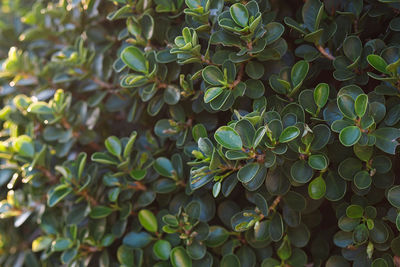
pixel 199 133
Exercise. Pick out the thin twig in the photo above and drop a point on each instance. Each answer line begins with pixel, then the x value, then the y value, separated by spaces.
pixel 325 53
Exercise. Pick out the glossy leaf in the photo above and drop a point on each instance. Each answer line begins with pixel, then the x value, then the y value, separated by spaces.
pixel 135 59
pixel 350 135
pixel 228 138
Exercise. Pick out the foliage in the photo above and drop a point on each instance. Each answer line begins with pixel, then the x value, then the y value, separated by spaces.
pixel 199 133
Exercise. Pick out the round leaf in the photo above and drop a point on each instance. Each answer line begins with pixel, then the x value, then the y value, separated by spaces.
pixel 179 257
pixel 247 173
pixel 288 134
pixel 134 58
pixel 239 14
pixel 162 249
pixel 350 135
pixel 393 196
pixel 213 75
pixel 228 138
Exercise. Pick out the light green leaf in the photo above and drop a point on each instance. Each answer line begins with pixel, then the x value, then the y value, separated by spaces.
pixel 321 94
pixel 148 220
pixel 378 63
pixel 317 188
pixel 179 257
pixel 361 104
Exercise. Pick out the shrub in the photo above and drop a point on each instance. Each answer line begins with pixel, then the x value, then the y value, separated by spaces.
pixel 199 133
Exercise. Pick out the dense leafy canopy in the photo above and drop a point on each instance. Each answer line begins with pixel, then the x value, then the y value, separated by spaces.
pixel 199 133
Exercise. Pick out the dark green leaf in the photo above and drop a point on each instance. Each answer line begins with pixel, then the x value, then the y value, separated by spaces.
pixel 228 138
pixel 134 58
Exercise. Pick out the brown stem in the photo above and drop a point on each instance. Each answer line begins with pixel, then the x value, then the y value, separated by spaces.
pixel 275 203
pixel 137 186
pixel 87 197
pixel 322 50
pixel 102 83
pixel 65 123
pixel 239 77
pixel 207 61
pixel 88 248
pixel 47 173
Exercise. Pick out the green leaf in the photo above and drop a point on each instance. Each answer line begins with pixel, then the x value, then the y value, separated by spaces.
pixel 179 257
pixel 23 145
pixel 99 212
pixel 379 262
pixel 347 106
pixel 321 94
pixel 61 244
pixel 354 211
pixel 361 104
pixel 162 249
pixel 363 152
pixel 285 250
pixel 317 188
pixel 218 235
pixel 352 47
pixel 148 220
pixel 312 13
pixel 393 196
pixel 113 145
pixel 137 239
pixel 163 166
pixel 239 14
pixel 125 255
pixel 246 131
pixel 134 58
pixel 288 134
pixel 39 108
pixel 299 73
pixel 318 162
pixel 248 172
pixel 301 172
pixel 212 93
pixel 276 227
pixel 172 95
pixel 274 31
pixel 213 75
pixel 254 69
pixel 360 234
pixel 199 131
pixel 41 243
pixel 350 135
pixel 398 221
pixel 337 261
pixel 58 194
pixel 129 145
pixel 230 260
pixel 386 139
pixel 228 138
pixel 104 158
pixel 362 180
pixel 378 63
